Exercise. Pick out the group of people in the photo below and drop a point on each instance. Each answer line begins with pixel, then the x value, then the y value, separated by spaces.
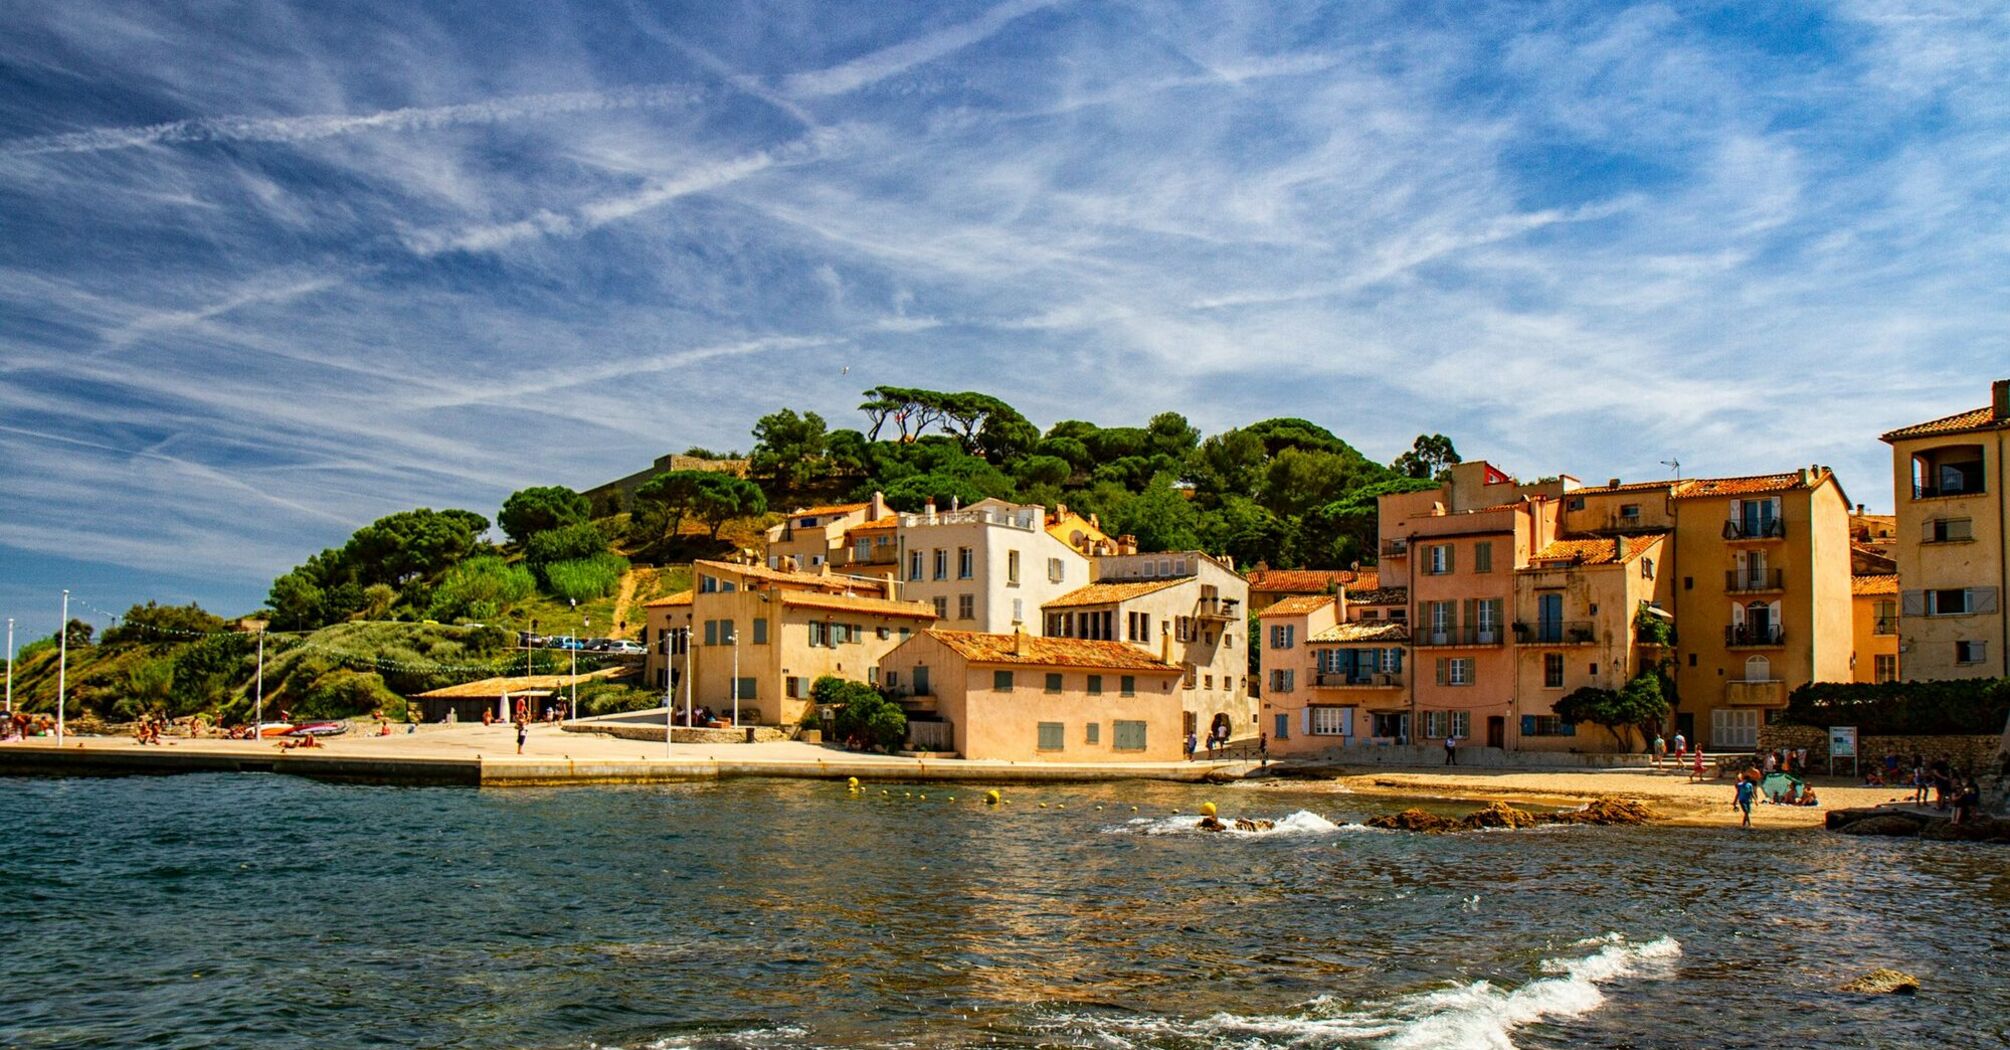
pixel 1216 740
pixel 19 726
pixel 147 729
pixel 1682 751
pixel 1950 788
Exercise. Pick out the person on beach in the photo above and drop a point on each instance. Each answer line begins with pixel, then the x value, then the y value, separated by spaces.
pixel 1746 789
pixel 1696 773
pixel 1263 747
pixel 1191 742
pixel 1965 803
pixel 1660 750
pixel 1451 751
pixel 1681 747
pixel 522 731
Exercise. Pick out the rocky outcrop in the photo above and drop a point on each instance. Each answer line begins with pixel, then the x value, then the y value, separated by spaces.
pixel 1415 820
pixel 1887 826
pixel 1882 981
pixel 1974 829
pixel 1608 810
pixel 1499 815
pixel 1502 815
pixel 1906 823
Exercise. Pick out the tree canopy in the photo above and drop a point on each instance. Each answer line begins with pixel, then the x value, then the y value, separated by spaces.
pixel 534 510
pixel 1640 701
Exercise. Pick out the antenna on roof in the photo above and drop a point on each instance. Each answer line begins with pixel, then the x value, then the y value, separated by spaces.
pixel 1675 465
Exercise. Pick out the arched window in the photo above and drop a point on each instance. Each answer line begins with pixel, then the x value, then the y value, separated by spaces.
pixel 1758 669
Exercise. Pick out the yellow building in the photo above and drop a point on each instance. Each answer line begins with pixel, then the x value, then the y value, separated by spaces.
pixel 1589 612
pixel 1949 479
pixel 1023 698
pixel 1874 619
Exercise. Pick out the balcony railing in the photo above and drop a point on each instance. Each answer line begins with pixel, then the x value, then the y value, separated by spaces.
pixel 1555 632
pixel 1745 581
pixel 1936 491
pixel 1761 529
pixel 1754 637
pixel 1885 625
pixel 1358 679
pixel 1462 636
pixel 1218 608
pixel 1395 548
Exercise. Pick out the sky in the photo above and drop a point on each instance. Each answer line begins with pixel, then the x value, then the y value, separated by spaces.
pixel 271 271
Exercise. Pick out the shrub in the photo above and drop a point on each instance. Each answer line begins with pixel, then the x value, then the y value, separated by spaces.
pixel 157 624
pixel 480 589
pixel 344 693
pixel 566 543
pixel 610 698
pixel 1964 706
pixel 861 711
pixel 586 578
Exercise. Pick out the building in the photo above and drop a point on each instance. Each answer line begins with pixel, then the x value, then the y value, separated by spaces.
pixel 1589 612
pixel 1874 627
pixel 619 495
pixel 1267 586
pixel 775 632
pixel 1186 607
pixel 1022 698
pixel 813 537
pixel 1949 478
pixel 987 568
pixel 500 696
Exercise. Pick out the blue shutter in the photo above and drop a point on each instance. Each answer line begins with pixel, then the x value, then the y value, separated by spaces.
pixel 1569 729
pixel 1528 725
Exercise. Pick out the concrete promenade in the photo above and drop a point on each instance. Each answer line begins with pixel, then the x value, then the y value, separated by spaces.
pixel 476 755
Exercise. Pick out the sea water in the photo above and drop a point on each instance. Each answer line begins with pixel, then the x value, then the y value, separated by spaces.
pixel 269 911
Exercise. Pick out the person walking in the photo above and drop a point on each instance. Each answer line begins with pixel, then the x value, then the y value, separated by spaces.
pixel 522 731
pixel 1191 743
pixel 1660 750
pixel 1263 748
pixel 1747 788
pixel 1451 750
pixel 1681 747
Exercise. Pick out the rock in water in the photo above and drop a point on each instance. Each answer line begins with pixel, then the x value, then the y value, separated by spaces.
pixel 1499 815
pixel 1211 824
pixel 1245 824
pixel 1882 981
pixel 1974 829
pixel 1890 825
pixel 1604 811
pixel 1415 820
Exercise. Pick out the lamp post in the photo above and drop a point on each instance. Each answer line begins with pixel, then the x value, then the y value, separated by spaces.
pixel 736 674
pixel 690 636
pixel 10 665
pixel 669 691
pixel 62 664
pixel 259 702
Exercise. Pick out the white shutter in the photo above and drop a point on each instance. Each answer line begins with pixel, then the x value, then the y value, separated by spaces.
pixel 1305 721
pixel 1738 510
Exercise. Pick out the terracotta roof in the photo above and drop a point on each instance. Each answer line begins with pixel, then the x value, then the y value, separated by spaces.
pixel 852 603
pixel 1364 581
pixel 1380 596
pixel 891 521
pixel 1109 593
pixel 1634 486
pixel 682 597
pixel 1299 581
pixel 1298 605
pixel 1595 550
pixel 1364 632
pixel 1050 652
pixel 520 684
pixel 1880 584
pixel 835 508
pixel 1975 419
pixel 1700 488
pixel 810 579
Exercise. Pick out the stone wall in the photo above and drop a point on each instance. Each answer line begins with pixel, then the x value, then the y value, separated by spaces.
pixel 1433 756
pixel 1965 752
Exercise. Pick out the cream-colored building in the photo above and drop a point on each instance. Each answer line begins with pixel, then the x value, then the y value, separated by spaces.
pixel 1023 698
pixel 775 633
pixel 1950 477
pixel 1186 607
pixel 988 567
pixel 813 537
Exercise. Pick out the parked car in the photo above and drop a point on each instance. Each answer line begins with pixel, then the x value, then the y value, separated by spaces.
pixel 564 643
pixel 628 648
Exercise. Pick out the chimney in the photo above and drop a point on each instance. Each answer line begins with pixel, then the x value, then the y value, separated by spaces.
pixel 1807 475
pixel 1612 483
pixel 1618 548
pixel 1095 522
pixel 1229 560
pixel 1999 400
pixel 878 509
pixel 955 504
pixel 1129 544
pixel 1020 647
pixel 1859 510
pixel 928 512
pixel 1165 648
pixel 1060 511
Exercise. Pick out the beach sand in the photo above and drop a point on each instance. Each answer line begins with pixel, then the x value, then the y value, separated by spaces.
pixel 1670 794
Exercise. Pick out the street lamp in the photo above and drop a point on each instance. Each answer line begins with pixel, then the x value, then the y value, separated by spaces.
pixel 62 665
pixel 10 666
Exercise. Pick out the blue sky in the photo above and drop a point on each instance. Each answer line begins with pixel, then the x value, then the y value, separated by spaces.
pixel 270 271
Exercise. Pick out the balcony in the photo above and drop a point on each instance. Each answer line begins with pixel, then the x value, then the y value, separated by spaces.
pixel 1442 637
pixel 1936 491
pixel 1767 691
pixel 1756 529
pixel 1555 632
pixel 1769 637
pixel 1358 680
pixel 1885 625
pixel 1218 608
pixel 1395 548
pixel 1746 581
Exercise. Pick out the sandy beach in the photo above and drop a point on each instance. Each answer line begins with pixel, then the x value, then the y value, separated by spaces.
pixel 1670 794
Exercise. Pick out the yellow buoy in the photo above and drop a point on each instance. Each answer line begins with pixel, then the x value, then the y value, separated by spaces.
pixel 924 798
pixel 952 798
pixel 992 798
pixel 1207 809
pixel 851 782
pixel 1134 809
pixel 1043 805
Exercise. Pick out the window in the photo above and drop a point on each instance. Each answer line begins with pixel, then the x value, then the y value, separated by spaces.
pixel 711 632
pixel 941 564
pixel 1018 610
pixel 728 632
pixel 1732 729
pixel 1440 559
pixel 761 631
pixel 1138 626
pixel 1281 681
pixel 1165 567
pixel 1552 670
pixel 941 607
pixel 792 687
pixel 1646 568
pixel 883 632
pixel 1629 513
pixel 1095 685
pixel 1955 470
pixel 1884 617
pixel 966 563
pixel 1053 681
pixel 1329 721
pixel 1001 681
pixel 1971 652
pixel 914 565
pixel 1461 723
pixel 820 633
pixel 893 681
pixel 1574 503
pixel 1885 667
pixel 1457 670
pixel 1960 601
pixel 1128 736
pixel 1056 570
pixel 748 690
pixel 1434 723
pixel 966 606
pixel 1282 728
pixel 1483 556
pixel 1758 669
pixel 1092 733
pixel 1283 636
pixel 1189 680
pixel 1545 725
pixel 1053 736
pixel 1011 568
pixel 1207 681
pixel 1127 685
pixel 1949 530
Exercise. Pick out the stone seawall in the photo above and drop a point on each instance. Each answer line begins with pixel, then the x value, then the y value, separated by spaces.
pixel 1974 753
pixel 680 734
pixel 1433 755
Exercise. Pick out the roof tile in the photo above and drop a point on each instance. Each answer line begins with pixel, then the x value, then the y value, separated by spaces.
pixel 1050 652
pixel 1883 583
pixel 1961 422
pixel 1110 593
pixel 854 603
pixel 1298 605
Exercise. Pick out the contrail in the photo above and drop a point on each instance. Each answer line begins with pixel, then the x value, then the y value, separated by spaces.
pixel 309 128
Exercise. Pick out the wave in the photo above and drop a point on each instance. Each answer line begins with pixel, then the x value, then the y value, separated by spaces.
pixel 1302 822
pixel 1474 1016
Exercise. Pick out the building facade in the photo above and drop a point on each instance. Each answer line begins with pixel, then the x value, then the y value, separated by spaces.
pixel 1874 627
pixel 1949 478
pixel 986 568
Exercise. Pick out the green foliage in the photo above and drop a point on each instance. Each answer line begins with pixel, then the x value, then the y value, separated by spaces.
pixel 149 687
pixel 79 633
pixel 612 698
pixel 569 543
pixel 1161 517
pixel 402 551
pixel 153 623
pixel 480 589
pixel 1429 456
pixel 585 579
pixel 533 510
pixel 1653 630
pixel 39 646
pixel 342 693
pixel 1970 706
pixel 666 499
pixel 789 449
pixel 1638 702
pixel 722 497
pixel 862 712
pixel 207 671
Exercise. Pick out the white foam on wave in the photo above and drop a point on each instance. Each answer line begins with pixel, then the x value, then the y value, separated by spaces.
pixel 1302 822
pixel 786 1035
pixel 1474 1016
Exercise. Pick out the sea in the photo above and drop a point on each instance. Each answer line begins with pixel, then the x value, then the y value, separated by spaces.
pixel 269 911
